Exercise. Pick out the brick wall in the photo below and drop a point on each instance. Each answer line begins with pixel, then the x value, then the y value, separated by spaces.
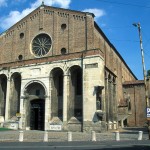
pixel 48 20
pixel 136 91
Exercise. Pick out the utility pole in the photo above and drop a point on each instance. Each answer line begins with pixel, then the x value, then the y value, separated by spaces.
pixel 144 73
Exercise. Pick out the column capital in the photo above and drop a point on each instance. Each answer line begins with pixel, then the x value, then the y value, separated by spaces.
pixel 66 75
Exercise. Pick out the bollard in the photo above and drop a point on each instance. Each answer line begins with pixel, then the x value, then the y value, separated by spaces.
pixel 20 136
pixel 140 135
pixel 69 136
pixel 109 125
pixel 117 136
pixel 93 136
pixel 115 125
pixel 45 136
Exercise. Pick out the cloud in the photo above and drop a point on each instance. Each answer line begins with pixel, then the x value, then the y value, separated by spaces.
pixel 97 12
pixel 60 3
pixel 15 16
pixel 3 3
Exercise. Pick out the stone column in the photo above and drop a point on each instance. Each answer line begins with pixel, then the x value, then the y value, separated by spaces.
pixel 114 105
pixel 107 98
pixel 65 97
pixel 7 109
pixel 110 100
pixel 47 112
pixel 21 112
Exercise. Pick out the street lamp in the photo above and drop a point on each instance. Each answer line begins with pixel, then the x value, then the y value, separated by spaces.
pixel 144 72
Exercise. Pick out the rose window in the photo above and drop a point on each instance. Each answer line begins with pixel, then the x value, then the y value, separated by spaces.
pixel 41 45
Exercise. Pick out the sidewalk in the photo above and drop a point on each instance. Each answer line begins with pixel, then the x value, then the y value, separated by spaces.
pixel 38 136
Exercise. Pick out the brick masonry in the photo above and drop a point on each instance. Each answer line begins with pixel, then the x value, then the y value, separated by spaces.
pixel 83 39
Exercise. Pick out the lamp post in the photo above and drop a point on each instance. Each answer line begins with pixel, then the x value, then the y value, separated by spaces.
pixel 144 72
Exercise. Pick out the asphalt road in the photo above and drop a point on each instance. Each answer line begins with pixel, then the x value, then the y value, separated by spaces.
pixel 103 145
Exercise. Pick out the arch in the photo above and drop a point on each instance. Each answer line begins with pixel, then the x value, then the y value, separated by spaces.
pixel 3 90
pixel 35 81
pixel 56 77
pixel 75 103
pixel 15 89
pixel 35 92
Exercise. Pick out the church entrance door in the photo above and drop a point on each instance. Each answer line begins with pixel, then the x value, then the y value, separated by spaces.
pixel 37 113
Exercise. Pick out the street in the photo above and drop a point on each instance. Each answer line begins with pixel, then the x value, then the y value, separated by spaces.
pixel 105 145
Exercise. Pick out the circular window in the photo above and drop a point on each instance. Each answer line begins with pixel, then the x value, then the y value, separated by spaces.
pixel 21 35
pixel 63 51
pixel 41 45
pixel 20 57
pixel 63 26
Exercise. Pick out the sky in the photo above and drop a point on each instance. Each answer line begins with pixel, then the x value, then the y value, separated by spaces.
pixel 114 17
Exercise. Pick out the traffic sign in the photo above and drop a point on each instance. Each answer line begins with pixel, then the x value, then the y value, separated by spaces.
pixel 148 113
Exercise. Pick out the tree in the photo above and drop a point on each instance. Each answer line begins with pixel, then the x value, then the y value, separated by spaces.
pixel 148 73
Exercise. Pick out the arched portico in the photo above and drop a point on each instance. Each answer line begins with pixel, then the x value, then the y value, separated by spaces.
pixel 14 97
pixel 75 104
pixel 56 80
pixel 3 88
pixel 34 104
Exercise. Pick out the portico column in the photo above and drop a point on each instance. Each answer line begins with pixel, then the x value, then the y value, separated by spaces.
pixel 65 97
pixel 115 105
pixel 7 109
pixel 107 98
pixel 47 112
pixel 111 104
pixel 22 113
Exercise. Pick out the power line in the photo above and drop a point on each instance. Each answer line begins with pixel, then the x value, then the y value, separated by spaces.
pixel 128 4
pixel 123 40
pixel 119 27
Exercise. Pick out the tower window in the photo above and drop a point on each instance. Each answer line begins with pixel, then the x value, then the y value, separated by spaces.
pixel 21 35
pixel 63 26
pixel 63 51
pixel 20 57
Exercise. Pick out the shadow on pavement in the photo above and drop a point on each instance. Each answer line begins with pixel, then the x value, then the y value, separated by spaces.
pixel 134 147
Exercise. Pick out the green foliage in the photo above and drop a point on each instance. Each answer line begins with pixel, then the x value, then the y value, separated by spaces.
pixel 148 73
pixel 4 129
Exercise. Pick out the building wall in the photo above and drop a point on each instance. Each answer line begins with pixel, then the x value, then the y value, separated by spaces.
pixel 41 74
pixel 148 87
pixel 103 69
pixel 136 94
pixel 77 36
pixel 114 63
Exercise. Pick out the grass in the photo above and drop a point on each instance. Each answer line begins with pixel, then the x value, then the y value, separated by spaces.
pixel 4 129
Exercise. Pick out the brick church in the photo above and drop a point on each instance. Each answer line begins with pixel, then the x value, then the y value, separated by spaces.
pixel 58 71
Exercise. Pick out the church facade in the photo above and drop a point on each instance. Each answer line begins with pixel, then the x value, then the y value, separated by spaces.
pixel 58 69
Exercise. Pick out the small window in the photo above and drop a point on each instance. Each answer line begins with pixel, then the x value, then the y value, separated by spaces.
pixel 99 97
pixel 20 57
pixel 63 51
pixel 63 26
pixel 21 35
pixel 37 92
